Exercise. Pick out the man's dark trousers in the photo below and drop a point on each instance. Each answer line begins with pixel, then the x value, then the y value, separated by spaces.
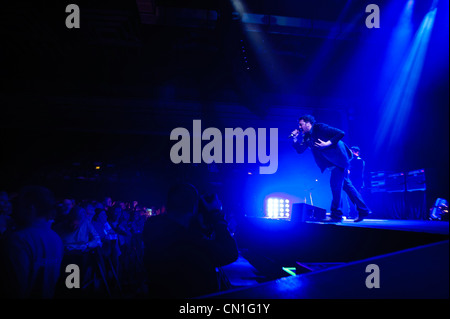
pixel 339 181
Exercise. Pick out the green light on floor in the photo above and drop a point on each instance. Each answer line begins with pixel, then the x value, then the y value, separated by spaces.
pixel 290 270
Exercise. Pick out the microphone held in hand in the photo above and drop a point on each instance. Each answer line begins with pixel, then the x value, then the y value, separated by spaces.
pixel 294 134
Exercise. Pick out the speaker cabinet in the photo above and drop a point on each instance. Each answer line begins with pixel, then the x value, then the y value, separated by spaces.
pixel 302 212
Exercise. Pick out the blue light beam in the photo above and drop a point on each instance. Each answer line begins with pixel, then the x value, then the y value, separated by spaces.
pixel 398 45
pixel 399 98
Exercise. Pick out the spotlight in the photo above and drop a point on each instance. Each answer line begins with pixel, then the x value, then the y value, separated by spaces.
pixel 277 208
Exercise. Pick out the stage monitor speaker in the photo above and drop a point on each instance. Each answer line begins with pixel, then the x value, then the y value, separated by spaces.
pixel 395 183
pixel 415 181
pixel 302 212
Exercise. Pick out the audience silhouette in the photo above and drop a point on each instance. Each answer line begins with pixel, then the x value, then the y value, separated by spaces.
pixel 172 251
pixel 31 255
pixel 184 246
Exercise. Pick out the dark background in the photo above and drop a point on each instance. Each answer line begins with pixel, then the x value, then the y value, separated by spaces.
pixel 109 94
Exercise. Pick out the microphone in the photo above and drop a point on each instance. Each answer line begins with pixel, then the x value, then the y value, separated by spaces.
pixel 292 135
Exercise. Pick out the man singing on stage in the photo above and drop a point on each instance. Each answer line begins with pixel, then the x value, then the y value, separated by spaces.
pixel 330 152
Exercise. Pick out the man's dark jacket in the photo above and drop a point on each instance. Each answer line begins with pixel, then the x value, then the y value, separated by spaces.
pixel 337 154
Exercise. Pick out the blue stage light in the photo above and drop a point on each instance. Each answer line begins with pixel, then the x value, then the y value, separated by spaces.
pixel 399 99
pixel 277 208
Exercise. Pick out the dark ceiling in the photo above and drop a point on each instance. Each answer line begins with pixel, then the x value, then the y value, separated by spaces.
pixel 143 63
pixel 144 67
pixel 150 50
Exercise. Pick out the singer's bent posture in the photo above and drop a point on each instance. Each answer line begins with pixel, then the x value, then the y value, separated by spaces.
pixel 330 152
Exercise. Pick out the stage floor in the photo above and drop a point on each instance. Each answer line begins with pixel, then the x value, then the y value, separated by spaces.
pixel 404 249
pixel 424 226
pixel 420 272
